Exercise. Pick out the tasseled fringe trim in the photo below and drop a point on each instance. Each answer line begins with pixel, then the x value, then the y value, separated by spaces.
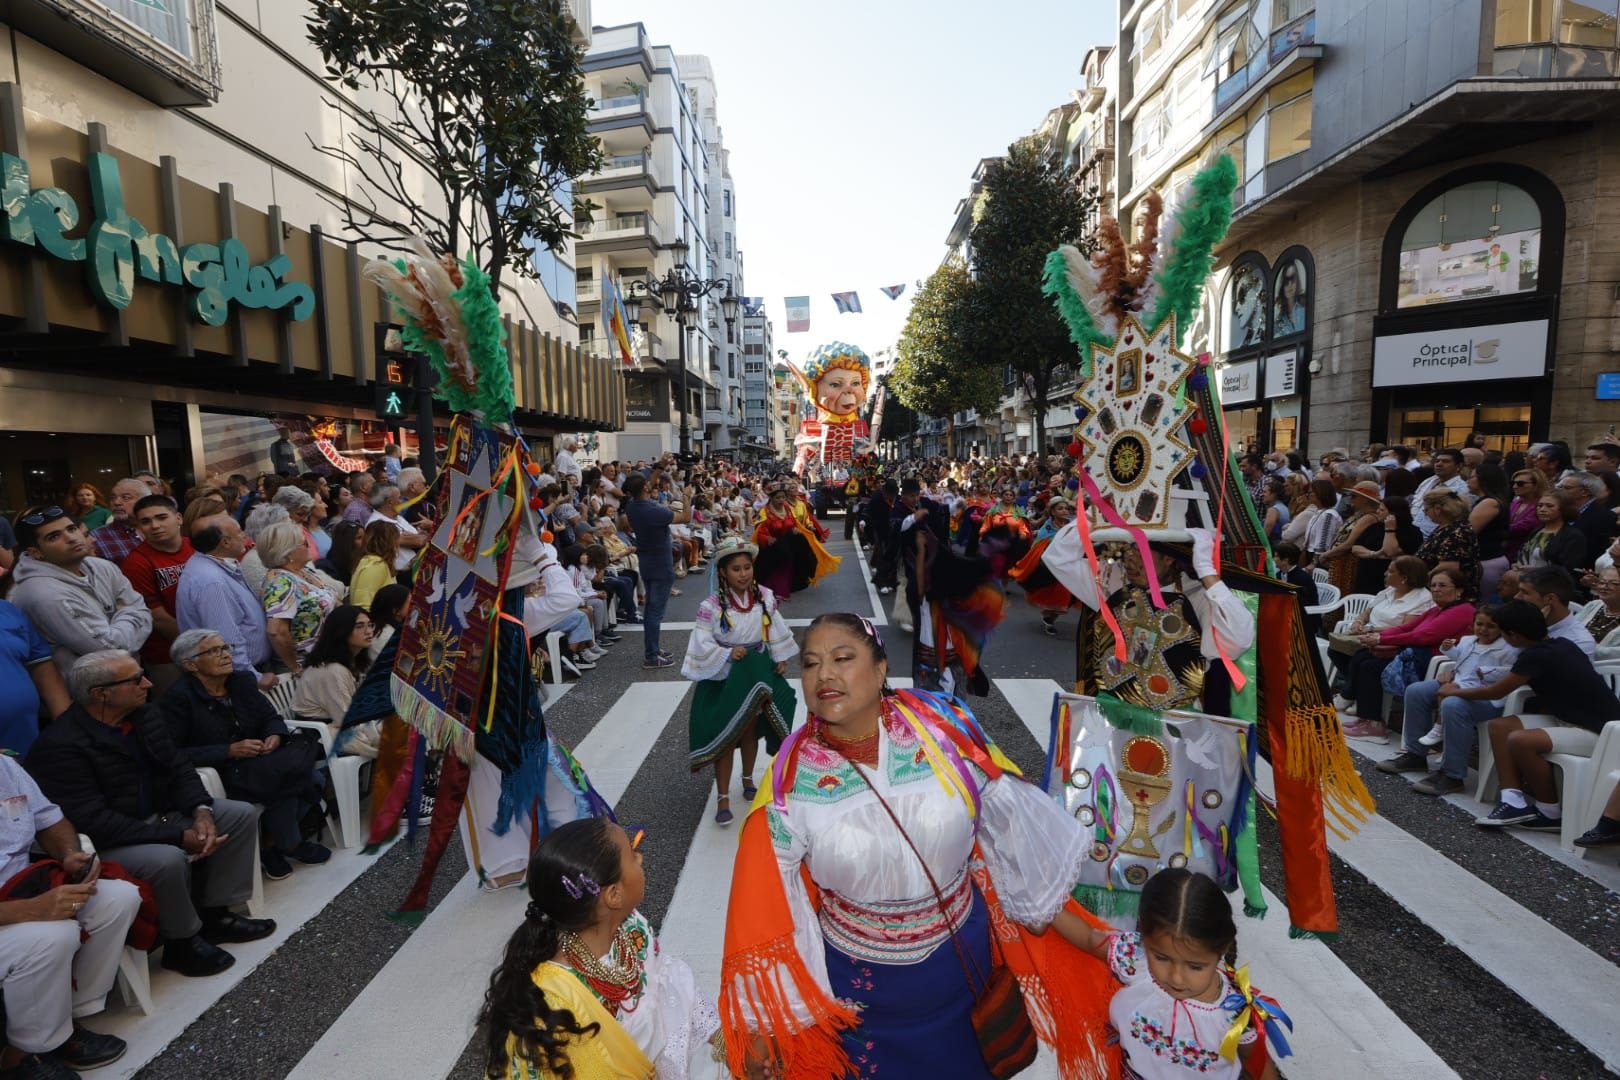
pixel 441 730
pixel 754 986
pixel 1317 755
pixel 1312 935
pixel 1066 994
pixel 1107 903
pixel 523 786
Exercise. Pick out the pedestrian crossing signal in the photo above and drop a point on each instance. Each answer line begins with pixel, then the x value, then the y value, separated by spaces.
pixel 390 403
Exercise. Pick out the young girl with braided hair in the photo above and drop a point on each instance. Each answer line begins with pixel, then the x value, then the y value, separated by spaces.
pixel 1183 1004
pixel 739 649
pixel 583 992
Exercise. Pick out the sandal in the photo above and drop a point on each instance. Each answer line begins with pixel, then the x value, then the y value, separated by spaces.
pixel 723 815
pixel 750 789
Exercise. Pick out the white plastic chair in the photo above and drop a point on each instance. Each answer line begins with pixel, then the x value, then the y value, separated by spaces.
pixel 1327 597
pixel 1578 772
pixel 350 828
pixel 1356 604
pixel 1602 775
pixel 216 787
pixel 1513 705
pixel 134 982
pixel 1322 577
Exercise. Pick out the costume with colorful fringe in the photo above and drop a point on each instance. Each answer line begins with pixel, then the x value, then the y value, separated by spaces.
pixel 954 603
pixel 826 886
pixel 1041 588
pixel 791 554
pixel 1153 461
pixel 456 677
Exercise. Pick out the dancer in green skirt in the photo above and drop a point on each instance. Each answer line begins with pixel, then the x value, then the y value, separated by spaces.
pixel 739 650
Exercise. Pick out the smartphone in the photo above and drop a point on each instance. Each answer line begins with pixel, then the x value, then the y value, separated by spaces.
pixel 89 869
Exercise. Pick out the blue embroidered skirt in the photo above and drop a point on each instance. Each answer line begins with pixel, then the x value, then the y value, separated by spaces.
pixel 916 1019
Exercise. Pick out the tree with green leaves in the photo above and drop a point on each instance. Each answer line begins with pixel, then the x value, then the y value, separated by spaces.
pixel 1029 206
pixel 935 373
pixel 488 98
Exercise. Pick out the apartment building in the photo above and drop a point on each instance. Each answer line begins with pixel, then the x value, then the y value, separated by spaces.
pixel 660 185
pixel 184 131
pixel 762 422
pixel 791 407
pixel 1418 249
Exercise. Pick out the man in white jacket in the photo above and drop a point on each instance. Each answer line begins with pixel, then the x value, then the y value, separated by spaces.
pixel 78 603
pixel 553 603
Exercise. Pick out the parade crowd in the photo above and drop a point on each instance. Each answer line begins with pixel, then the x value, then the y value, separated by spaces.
pixel 160 645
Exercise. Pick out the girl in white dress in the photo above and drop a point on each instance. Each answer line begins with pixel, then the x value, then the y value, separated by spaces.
pixel 739 649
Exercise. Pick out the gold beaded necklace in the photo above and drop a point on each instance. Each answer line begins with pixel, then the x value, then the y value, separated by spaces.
pixel 613 982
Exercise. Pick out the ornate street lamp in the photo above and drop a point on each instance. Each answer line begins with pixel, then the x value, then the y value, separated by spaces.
pixel 677 295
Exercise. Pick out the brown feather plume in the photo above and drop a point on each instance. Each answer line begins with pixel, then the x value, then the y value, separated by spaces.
pixel 1140 262
pixel 1112 278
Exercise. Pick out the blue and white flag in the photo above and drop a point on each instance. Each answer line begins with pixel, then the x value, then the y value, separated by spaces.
pixel 848 303
pixel 893 291
pixel 753 305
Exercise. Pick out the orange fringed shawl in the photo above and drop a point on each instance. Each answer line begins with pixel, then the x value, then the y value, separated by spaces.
pixel 1066 990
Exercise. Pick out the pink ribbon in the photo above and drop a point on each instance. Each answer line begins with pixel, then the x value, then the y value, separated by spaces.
pixel 1113 518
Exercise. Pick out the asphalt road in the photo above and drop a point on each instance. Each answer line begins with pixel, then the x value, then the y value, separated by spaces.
pixel 1428 974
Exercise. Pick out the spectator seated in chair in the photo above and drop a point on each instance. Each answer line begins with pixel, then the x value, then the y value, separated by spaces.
pixel 1566 686
pixel 59 946
pixel 110 763
pixel 332 673
pixel 221 720
pixel 1481 659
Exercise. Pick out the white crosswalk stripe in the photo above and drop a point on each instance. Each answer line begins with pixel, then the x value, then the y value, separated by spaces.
pixel 417 1014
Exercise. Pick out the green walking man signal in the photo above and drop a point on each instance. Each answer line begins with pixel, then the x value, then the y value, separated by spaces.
pixel 392 407
pixel 393 385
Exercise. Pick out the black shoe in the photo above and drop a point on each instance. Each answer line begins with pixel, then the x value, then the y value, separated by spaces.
pixel 221 926
pixel 1438 783
pixel 274 864
pixel 1405 761
pixel 1539 823
pixel 86 1049
pixel 1598 836
pixel 39 1067
pixel 195 956
pixel 1507 815
pixel 312 854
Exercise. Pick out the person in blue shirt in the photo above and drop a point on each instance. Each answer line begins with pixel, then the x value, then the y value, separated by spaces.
pixel 27 677
pixel 650 522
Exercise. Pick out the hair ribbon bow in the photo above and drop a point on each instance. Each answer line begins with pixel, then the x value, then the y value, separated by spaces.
pixel 1264 1013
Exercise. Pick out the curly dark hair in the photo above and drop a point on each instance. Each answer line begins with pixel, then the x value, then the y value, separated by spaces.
pixel 514 1006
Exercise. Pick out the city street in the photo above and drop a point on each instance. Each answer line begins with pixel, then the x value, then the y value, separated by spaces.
pixel 1461 952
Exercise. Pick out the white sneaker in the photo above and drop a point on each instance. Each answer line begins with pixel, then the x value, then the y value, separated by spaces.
pixel 594 653
pixel 1435 737
pixel 1343 704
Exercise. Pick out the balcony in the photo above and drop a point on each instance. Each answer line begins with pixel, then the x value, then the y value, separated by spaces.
pixel 622 171
pixel 620 105
pixel 1287 51
pixel 619 232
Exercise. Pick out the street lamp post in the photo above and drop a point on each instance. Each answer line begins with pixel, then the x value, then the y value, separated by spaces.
pixel 677 295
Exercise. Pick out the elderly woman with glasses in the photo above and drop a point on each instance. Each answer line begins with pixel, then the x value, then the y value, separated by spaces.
pixel 1528 485
pixel 296 597
pixel 220 720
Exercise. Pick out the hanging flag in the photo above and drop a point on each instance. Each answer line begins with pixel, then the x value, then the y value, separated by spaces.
pixel 615 321
pixel 798 314
pixel 893 291
pixel 848 303
pixel 753 305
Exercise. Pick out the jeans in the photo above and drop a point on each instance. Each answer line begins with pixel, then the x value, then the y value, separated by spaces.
pixel 652 615
pixel 1459 718
pixel 574 627
pixel 1365 688
pixel 625 590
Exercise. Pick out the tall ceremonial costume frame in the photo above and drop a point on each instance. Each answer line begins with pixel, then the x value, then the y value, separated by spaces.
pixel 1179 686
pixel 457 678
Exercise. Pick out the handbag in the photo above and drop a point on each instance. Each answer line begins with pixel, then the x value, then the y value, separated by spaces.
pixel 1000 1019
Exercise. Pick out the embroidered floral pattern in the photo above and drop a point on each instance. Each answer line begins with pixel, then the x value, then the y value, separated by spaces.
pixel 1125 955
pixel 894 932
pixel 823 777
pixel 1176 1051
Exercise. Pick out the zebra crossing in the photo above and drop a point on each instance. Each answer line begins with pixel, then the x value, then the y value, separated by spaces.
pixel 1462 953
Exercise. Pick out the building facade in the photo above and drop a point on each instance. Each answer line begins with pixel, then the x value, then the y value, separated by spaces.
pixel 175 282
pixel 762 421
pixel 1418 249
pixel 663 181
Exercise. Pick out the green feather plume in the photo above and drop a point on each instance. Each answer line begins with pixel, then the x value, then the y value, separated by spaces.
pixel 491 395
pixel 1203 220
pixel 1083 329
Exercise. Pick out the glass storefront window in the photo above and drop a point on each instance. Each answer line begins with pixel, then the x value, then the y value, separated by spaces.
pixel 240 445
pixel 1520 22
pixel 1476 240
pixel 1505 427
pixel 1290 128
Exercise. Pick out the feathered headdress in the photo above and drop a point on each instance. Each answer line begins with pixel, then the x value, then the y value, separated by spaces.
pixel 451 316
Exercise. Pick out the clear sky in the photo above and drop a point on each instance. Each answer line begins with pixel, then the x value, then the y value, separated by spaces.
pixel 854 127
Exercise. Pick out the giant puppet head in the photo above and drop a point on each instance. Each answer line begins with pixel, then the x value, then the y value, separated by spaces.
pixel 837 376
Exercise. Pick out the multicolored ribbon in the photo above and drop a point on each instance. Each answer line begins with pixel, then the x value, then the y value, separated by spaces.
pixel 1262 1012
pixel 1114 518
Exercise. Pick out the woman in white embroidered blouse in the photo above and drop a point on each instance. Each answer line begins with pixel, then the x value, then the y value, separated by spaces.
pixel 915 835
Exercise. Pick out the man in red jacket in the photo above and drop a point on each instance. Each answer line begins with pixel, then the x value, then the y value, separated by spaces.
pixel 153 569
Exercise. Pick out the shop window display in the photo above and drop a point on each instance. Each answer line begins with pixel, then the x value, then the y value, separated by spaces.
pixel 1477 240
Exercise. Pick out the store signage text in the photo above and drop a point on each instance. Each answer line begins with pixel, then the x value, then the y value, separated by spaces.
pixel 638 413
pixel 117 247
pixel 1499 351
pixel 1281 374
pixel 1239 382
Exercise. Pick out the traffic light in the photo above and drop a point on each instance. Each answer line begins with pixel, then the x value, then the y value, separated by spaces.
pixel 392 386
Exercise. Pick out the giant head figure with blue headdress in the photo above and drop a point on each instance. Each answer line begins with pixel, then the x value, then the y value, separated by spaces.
pixel 837 377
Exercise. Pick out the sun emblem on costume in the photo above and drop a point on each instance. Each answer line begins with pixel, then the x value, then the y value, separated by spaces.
pixel 440 653
pixel 1135 409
